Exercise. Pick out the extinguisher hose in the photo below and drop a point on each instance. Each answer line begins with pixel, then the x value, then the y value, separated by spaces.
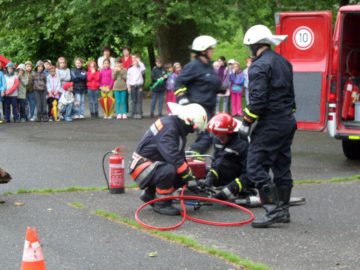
pixel 104 170
pixel 185 216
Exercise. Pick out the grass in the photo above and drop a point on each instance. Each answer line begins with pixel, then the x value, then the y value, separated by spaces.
pixel 76 205
pixel 62 190
pixel 326 181
pixel 185 241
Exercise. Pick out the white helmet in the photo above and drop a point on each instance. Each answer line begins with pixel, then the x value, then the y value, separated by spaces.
pixel 202 43
pixel 192 114
pixel 260 34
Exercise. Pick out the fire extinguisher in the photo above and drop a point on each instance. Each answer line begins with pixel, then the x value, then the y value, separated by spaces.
pixel 348 88
pixel 116 181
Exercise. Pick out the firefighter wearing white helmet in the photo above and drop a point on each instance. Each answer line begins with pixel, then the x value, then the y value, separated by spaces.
pixel 272 105
pixel 199 83
pixel 158 165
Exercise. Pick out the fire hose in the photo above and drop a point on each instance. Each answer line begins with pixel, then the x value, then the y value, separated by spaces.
pixel 185 216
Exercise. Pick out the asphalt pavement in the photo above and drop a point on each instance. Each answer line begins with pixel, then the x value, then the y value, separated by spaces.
pixel 323 234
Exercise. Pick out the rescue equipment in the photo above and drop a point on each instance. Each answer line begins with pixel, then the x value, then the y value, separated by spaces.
pixel 116 181
pixel 54 110
pixel 351 95
pixel 33 257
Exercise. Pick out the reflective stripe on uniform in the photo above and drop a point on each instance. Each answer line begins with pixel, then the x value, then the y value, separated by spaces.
pixel 214 173
pixel 247 111
pixel 237 180
pixel 142 171
pixel 180 91
pixel 165 191
pixel 182 168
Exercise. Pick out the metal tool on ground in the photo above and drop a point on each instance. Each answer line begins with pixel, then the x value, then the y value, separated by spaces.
pixel 116 180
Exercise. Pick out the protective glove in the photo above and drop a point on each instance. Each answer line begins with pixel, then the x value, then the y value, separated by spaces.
pixel 187 176
pixel 211 178
pixel 247 122
pixel 183 100
pixel 194 187
pixel 235 188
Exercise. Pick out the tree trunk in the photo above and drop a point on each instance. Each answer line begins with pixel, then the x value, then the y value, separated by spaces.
pixel 344 2
pixel 173 41
pixel 151 53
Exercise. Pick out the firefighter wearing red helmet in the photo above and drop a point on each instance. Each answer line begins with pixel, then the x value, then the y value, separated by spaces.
pixel 230 154
pixel 272 105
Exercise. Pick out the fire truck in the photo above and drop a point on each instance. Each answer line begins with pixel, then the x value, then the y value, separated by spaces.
pixel 326 64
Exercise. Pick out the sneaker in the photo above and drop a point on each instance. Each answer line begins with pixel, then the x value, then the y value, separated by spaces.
pixel 124 116
pixel 32 119
pixel 119 116
pixel 82 116
pixel 105 116
pixel 109 117
pixel 50 120
pixel 76 116
pixel 68 119
pixel 23 120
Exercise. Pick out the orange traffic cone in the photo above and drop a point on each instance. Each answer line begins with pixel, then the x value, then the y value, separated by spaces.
pixel 33 258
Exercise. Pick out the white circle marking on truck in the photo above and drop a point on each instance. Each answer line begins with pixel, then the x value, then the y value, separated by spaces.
pixel 303 38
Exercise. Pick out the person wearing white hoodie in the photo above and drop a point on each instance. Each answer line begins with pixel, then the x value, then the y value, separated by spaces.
pixel 67 103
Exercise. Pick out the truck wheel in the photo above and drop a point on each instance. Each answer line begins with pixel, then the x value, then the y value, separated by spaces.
pixel 351 149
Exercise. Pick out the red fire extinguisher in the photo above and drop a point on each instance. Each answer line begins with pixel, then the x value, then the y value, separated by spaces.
pixel 351 95
pixel 116 181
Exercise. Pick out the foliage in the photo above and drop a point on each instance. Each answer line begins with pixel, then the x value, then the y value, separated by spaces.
pixel 34 29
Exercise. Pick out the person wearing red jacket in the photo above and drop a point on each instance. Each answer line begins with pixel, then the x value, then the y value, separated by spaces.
pixel 93 84
pixel 11 92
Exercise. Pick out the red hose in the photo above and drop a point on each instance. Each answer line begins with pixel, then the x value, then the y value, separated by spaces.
pixel 198 220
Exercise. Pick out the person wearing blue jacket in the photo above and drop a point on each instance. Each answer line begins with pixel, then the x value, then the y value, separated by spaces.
pixel 79 78
pixel 2 90
pixel 158 165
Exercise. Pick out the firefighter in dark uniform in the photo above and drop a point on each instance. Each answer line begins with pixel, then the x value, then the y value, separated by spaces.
pixel 228 167
pixel 272 105
pixel 198 83
pixel 158 165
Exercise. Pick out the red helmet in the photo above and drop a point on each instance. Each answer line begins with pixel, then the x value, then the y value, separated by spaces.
pixel 222 123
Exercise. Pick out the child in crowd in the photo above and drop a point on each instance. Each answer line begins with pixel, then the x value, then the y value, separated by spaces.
pixel 11 92
pixel 222 100
pixel 30 96
pixel 170 83
pixel 158 91
pixel 106 86
pixel 47 66
pixel 78 77
pixel 40 91
pixel 126 59
pixel 236 87
pixel 68 105
pixel 246 80
pixel 119 77
pixel 93 84
pixel 135 82
pixel 21 98
pixel 62 71
pixel 2 90
pixel 54 90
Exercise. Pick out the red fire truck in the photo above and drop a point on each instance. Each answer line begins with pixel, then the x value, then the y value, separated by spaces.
pixel 326 67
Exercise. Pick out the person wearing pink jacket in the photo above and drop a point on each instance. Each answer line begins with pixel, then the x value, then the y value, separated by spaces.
pixel 106 85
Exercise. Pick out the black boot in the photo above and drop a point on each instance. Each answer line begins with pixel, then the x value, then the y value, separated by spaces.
pixel 273 207
pixel 148 194
pixel 92 115
pixel 96 115
pixel 165 207
pixel 284 193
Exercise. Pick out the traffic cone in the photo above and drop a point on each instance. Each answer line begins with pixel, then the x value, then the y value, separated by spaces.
pixel 33 258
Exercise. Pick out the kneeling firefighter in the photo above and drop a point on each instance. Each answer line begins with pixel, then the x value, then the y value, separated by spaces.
pixel 158 165
pixel 230 154
pixel 272 105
